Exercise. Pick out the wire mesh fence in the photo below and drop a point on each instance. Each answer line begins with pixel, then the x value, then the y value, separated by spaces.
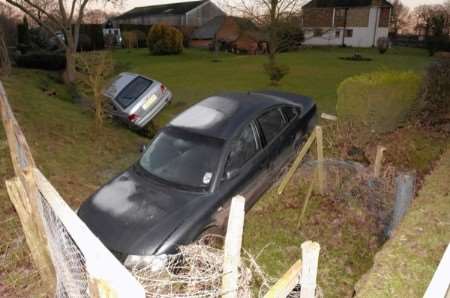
pixel 70 265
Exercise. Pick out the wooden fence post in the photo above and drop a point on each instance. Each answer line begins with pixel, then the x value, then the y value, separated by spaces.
pixel 440 283
pixel 296 163
pixel 378 161
pixel 310 259
pixel 26 202
pixel 232 248
pixel 308 196
pixel 39 253
pixel 321 171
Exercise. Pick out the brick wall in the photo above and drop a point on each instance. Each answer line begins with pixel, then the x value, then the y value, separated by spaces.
pixel 323 17
pixel 358 17
pixel 318 17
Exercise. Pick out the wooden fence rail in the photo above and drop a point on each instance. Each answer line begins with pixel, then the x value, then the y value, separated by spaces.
pixel 37 203
pixel 316 135
pixel 23 193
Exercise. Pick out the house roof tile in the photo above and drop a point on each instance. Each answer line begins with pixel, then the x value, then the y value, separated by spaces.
pixel 344 3
pixel 164 9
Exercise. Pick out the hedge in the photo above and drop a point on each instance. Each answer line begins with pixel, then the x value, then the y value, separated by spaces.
pixel 91 37
pixel 380 100
pixel 165 40
pixel 41 60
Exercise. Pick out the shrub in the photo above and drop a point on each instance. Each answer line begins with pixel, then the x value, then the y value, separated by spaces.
pixel 382 100
pixel 290 36
pixel 383 44
pixel 276 72
pixel 41 60
pixel 436 87
pixel 165 40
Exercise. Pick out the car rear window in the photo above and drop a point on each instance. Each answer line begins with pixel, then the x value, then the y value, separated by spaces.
pixel 271 124
pixel 290 112
pixel 132 91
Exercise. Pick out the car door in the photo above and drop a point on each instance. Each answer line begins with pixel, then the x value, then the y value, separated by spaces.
pixel 272 125
pixel 245 167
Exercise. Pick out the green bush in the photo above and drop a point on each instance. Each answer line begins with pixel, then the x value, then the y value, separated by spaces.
pixel 381 101
pixel 165 40
pixel 41 60
pixel 276 72
pixel 383 45
pixel 436 87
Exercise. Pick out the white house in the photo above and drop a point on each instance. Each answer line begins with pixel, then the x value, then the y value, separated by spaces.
pixel 356 23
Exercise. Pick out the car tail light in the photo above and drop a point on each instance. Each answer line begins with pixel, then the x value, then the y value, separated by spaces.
pixel 133 118
pixel 163 88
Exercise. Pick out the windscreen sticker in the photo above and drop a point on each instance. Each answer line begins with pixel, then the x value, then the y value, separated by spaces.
pixel 207 178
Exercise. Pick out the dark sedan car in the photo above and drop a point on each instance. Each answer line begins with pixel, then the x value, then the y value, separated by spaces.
pixel 234 143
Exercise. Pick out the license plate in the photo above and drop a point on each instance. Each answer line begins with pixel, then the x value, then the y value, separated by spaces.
pixel 149 102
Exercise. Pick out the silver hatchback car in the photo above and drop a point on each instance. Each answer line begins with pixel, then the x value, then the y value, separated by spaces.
pixel 137 99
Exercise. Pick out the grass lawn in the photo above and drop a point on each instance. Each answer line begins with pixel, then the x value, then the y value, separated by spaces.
pixel 76 161
pixel 314 72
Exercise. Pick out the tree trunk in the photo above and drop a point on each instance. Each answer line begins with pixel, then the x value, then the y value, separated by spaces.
pixel 70 72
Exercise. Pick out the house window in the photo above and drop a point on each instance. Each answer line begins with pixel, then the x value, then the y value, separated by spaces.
pixel 338 33
pixel 340 13
pixel 349 33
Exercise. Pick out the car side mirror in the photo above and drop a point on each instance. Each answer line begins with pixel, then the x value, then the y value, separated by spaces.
pixel 144 148
pixel 232 174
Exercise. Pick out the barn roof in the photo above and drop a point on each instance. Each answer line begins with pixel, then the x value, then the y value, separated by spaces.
pixel 163 9
pixel 345 3
pixel 209 30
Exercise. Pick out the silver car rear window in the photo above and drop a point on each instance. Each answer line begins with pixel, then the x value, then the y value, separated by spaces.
pixel 132 91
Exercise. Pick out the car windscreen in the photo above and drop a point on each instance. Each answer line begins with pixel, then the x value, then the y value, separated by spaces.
pixel 185 159
pixel 132 91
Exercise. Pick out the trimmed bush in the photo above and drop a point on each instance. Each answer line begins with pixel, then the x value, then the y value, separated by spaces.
pixel 436 87
pixel 381 101
pixel 41 60
pixel 383 45
pixel 165 40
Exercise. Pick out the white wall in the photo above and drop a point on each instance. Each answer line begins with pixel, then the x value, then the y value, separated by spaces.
pixel 362 36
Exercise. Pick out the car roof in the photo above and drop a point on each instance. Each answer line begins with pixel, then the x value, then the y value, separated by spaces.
pixel 221 115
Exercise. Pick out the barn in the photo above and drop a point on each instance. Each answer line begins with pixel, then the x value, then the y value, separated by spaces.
pixel 183 14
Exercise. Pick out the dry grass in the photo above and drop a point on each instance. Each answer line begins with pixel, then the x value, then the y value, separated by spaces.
pixel 67 150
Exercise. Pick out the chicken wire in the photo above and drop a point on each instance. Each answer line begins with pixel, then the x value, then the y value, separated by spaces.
pixel 67 259
pixel 195 272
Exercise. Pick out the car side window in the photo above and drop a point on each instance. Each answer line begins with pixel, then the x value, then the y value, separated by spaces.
pixel 271 124
pixel 243 148
pixel 290 112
